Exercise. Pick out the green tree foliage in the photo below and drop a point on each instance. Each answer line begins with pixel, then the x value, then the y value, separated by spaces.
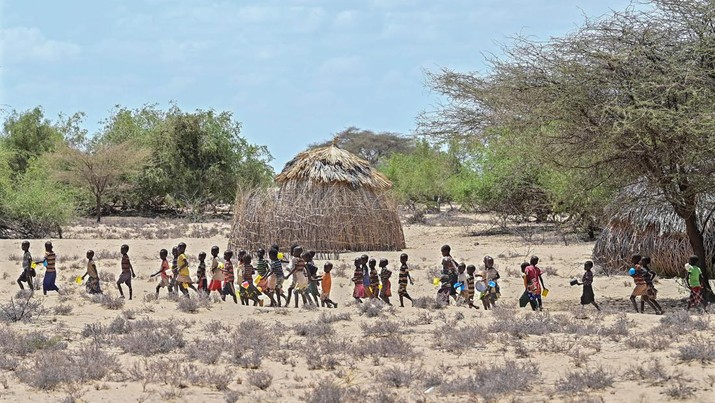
pixel 420 176
pixel 625 98
pixel 373 147
pixel 27 135
pixel 197 158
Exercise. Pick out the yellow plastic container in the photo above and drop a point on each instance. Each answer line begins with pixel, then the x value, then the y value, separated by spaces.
pixel 545 292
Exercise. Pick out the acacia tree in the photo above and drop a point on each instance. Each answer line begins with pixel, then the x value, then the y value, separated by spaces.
pixel 371 146
pixel 99 168
pixel 626 98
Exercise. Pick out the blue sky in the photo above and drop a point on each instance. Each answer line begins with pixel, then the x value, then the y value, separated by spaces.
pixel 293 71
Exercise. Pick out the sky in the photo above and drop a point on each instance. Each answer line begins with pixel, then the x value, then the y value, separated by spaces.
pixel 294 72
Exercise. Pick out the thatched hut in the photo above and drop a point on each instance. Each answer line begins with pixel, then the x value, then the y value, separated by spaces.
pixel 643 222
pixel 328 200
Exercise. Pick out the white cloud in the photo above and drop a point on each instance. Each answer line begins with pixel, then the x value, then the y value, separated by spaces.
pixel 29 44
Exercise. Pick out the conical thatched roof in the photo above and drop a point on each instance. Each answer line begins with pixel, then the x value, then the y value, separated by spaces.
pixel 332 165
pixel 643 222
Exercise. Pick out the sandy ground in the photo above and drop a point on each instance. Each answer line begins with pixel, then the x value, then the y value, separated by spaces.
pixel 420 354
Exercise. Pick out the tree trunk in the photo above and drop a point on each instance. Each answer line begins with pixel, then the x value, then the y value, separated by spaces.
pixel 697 242
pixel 98 199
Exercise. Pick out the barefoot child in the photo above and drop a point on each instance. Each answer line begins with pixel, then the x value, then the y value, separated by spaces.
pixel 291 287
pixel 313 279
pixel 275 279
pixel 357 279
pixel 641 288
pixel 374 279
pixel 587 297
pixel 48 284
pixel 164 272
pixel 402 280
pixel 93 282
pixel 127 272
pixel 184 280
pixel 228 288
pixel 470 286
pixel 201 273
pixel 216 272
pixel 694 279
pixel 534 283
pixel 385 274
pixel 174 285
pixel 326 283
pixel 449 269
pixel 247 288
pixel 649 275
pixel 27 271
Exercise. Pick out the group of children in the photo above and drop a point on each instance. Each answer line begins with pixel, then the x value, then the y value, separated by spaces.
pixel 458 282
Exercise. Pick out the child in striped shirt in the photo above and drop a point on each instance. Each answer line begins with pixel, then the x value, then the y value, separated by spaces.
pixel 228 288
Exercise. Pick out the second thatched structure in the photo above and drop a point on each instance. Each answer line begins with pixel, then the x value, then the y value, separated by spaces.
pixel 643 222
pixel 328 200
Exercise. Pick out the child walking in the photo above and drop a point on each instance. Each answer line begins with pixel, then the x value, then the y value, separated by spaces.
pixel 402 280
pixel 228 288
pixel 217 276
pixel 27 271
pixel 649 276
pixel 312 273
pixel 275 282
pixel 248 290
pixel 374 279
pixel 201 273
pixel 385 274
pixel 470 286
pixel 93 282
pixel 587 297
pixel 326 283
pixel 299 273
pixel 357 279
pixel 695 282
pixel 48 284
pixel 184 279
pixel 127 272
pixel 164 272
pixel 534 283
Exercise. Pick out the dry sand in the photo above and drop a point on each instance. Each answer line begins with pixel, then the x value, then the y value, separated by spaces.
pixel 594 342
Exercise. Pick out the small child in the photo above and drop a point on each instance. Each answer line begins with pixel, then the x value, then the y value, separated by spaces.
pixel 326 283
pixel 587 297
pixel 164 272
pixel 385 274
pixel 48 284
pixel 93 282
pixel 229 277
pixel 462 282
pixel 374 279
pixel 275 283
pixel 492 275
pixel 291 287
pixel 27 271
pixel 174 285
pixel 470 286
pixel 445 289
pixel 127 272
pixel 357 279
pixel 248 290
pixel 364 260
pixel 184 280
pixel 530 297
pixel 402 280
pixel 217 276
pixel 695 280
pixel 649 276
pixel 534 282
pixel 300 276
pixel 311 271
pixel 201 273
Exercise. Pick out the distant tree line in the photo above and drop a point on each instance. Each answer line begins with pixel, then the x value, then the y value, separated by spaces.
pixel 144 160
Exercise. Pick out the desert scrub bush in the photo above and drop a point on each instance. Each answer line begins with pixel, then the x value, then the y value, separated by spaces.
pixel 97 333
pixel 427 303
pixel 371 308
pixel 21 310
pixel 151 341
pixel 652 372
pixel 491 382
pixel 682 322
pixel 188 305
pixel 332 318
pixel 107 277
pixel 697 349
pixel 217 327
pixel 62 309
pixel 392 346
pixel 173 372
pixel 14 343
pixel 109 301
pixel 595 378
pixel 398 377
pixel 327 391
pixel 679 390
pixel 652 342
pixel 55 368
pixel 620 327
pixel 313 329
pixel 381 328
pixel 250 341
pixel 533 323
pixel 207 353
pixel 261 379
pixel 455 339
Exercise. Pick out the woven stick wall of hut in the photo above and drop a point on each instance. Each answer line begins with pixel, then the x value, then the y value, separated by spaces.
pixel 329 200
pixel 642 222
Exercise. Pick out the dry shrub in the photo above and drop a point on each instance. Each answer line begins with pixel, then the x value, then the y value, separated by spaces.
pixel 13 343
pixel 207 353
pixel 455 339
pixel 334 317
pixel 62 309
pixel 21 310
pixel 697 349
pixel 313 329
pixel 371 308
pixel 382 328
pixel 188 305
pixel 261 379
pixel 427 303
pixel 651 342
pixel 679 390
pixel 653 372
pixel 250 341
pixel 217 327
pixel 173 372
pixel 392 346
pixel 109 301
pixel 107 277
pixel 151 341
pixel 682 322
pixel 328 391
pixel 55 368
pixel 595 378
pixel 398 377
pixel 326 352
pixel 98 333
pixel 492 382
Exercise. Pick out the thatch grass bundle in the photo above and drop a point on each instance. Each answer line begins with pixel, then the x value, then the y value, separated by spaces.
pixel 643 222
pixel 329 200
